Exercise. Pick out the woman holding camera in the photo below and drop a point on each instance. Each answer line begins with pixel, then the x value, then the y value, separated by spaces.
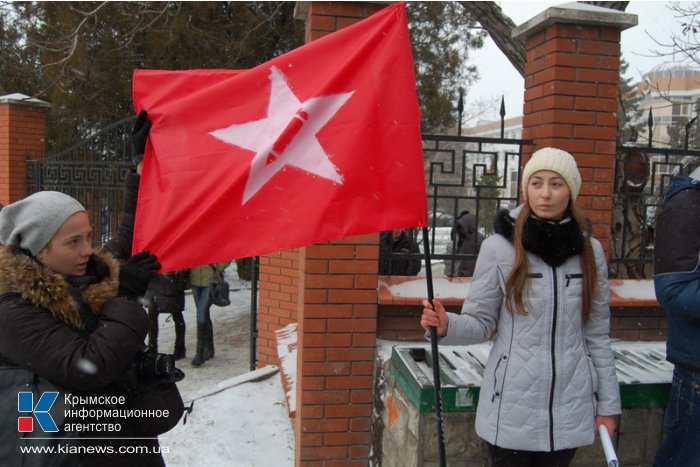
pixel 69 323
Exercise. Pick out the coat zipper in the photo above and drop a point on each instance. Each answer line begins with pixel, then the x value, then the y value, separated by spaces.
pixel 554 371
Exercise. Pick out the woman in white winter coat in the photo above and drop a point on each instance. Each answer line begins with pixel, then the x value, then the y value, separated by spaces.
pixel 540 291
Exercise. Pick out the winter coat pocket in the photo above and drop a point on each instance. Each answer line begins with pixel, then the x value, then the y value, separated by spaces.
pixel 594 383
pixel 499 374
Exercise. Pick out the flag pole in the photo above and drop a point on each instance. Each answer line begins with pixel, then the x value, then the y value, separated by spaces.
pixel 434 351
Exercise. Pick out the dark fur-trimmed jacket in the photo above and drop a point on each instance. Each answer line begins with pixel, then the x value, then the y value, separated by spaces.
pixel 55 335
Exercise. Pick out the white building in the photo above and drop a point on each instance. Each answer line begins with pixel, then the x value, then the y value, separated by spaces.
pixel 671 91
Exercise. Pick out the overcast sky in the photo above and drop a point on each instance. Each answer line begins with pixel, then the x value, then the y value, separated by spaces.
pixel 499 77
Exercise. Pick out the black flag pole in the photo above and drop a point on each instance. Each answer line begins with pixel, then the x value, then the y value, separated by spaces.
pixel 434 351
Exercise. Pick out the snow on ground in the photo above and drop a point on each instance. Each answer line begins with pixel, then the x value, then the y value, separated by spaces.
pixel 245 425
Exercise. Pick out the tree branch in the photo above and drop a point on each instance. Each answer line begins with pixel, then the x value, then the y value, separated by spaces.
pixel 500 28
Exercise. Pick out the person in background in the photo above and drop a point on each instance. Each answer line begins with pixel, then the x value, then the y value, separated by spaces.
pixel 466 240
pixel 200 279
pixel 677 285
pixel 540 291
pixel 397 241
pixel 166 294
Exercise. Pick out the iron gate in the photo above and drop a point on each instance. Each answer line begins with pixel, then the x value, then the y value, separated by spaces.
pixel 93 172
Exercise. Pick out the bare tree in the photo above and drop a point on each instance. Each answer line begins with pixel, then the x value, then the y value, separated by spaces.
pixel 687 43
pixel 500 28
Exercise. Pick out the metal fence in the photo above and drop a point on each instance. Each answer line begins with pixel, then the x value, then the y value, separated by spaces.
pixel 471 175
pixel 474 174
pixel 642 177
pixel 93 172
pixel 482 175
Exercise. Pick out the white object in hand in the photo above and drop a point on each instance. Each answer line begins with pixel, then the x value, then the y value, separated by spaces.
pixel 610 455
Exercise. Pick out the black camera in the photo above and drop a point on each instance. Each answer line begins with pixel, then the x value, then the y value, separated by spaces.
pixel 151 365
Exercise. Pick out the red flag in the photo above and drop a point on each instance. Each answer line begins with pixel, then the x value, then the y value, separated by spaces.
pixel 317 144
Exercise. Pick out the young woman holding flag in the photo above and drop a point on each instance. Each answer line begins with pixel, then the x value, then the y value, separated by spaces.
pixel 540 291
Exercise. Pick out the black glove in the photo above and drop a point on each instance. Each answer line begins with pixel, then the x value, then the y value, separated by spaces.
pixel 139 136
pixel 136 273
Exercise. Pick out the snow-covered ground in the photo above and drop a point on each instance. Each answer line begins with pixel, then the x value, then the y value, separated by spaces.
pixel 245 425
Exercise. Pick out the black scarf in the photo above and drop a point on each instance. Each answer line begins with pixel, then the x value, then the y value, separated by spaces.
pixel 553 241
pixel 95 271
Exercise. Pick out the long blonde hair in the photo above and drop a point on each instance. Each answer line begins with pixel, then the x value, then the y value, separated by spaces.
pixel 517 280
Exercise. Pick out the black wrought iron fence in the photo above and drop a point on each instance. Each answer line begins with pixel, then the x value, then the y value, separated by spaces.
pixel 467 177
pixel 92 172
pixel 642 177
pixel 464 174
pixel 481 175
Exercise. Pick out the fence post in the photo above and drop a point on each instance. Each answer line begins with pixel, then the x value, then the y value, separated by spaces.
pixel 571 89
pixel 22 138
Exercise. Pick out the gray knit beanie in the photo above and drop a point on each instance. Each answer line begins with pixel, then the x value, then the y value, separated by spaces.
pixel 557 161
pixel 31 223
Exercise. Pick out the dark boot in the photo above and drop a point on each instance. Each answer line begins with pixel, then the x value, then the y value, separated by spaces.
pixel 201 337
pixel 179 351
pixel 209 341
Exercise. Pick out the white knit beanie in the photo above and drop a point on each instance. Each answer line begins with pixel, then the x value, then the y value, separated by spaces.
pixel 31 223
pixel 557 161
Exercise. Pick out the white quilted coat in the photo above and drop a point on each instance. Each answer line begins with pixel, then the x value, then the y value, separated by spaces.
pixel 548 374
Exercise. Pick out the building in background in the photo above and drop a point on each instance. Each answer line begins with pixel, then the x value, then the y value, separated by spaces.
pixel 672 92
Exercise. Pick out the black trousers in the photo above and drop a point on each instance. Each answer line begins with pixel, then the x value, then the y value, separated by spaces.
pixel 513 458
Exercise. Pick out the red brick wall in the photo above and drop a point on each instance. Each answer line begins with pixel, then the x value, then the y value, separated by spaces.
pixel 326 17
pixel 571 80
pixel 22 138
pixel 638 324
pixel 279 284
pixel 644 323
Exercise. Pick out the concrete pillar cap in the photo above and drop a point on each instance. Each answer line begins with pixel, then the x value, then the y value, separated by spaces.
pixel 23 99
pixel 576 13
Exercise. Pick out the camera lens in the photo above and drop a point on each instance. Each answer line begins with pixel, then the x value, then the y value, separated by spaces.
pixel 165 364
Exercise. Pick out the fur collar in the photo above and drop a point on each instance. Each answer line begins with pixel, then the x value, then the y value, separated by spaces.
pixel 554 242
pixel 47 289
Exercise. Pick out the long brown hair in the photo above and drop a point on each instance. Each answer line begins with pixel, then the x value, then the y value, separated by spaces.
pixel 517 280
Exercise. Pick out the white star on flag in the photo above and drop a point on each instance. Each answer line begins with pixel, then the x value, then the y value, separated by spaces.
pixel 287 136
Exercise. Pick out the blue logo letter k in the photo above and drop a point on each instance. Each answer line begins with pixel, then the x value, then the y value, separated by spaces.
pixel 25 403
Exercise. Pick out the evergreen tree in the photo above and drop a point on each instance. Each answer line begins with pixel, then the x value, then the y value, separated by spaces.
pixel 442 33
pixel 80 56
pixel 630 118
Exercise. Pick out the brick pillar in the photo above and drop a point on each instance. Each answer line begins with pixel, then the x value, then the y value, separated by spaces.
pixel 22 138
pixel 330 291
pixel 571 90
pixel 335 352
